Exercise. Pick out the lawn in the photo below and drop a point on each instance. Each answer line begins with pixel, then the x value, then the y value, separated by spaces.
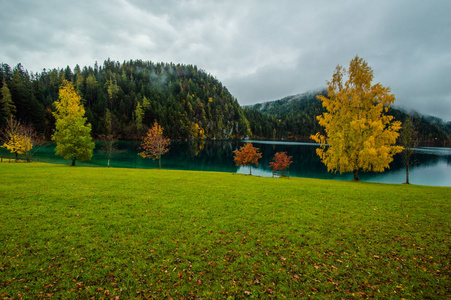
pixel 81 232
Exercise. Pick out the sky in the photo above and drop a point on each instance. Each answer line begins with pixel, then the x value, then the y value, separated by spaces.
pixel 260 50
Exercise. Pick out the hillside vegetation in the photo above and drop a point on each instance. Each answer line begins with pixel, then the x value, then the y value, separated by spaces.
pixel 294 118
pixel 186 101
pixel 77 232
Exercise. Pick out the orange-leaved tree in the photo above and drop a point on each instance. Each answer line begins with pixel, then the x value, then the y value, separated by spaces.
pixel 358 133
pixel 247 155
pixel 155 144
pixel 280 162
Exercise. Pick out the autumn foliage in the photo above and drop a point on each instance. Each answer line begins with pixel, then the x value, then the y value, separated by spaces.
pixel 280 162
pixel 72 131
pixel 359 135
pixel 247 155
pixel 155 144
pixel 18 138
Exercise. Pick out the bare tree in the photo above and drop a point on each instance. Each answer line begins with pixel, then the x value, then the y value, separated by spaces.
pixel 409 141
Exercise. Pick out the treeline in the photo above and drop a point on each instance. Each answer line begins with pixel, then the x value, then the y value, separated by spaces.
pixel 293 118
pixel 186 101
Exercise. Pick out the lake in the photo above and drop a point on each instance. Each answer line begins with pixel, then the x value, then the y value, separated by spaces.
pixel 432 167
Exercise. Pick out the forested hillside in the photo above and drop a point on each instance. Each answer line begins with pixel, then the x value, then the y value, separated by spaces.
pixel 294 118
pixel 186 101
pixel 290 118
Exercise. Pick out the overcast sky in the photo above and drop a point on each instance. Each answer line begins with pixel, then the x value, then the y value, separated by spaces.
pixel 260 50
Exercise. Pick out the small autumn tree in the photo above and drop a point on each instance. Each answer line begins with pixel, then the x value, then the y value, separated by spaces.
pixel 358 133
pixel 14 139
pixel 409 141
pixel 19 138
pixel 155 144
pixel 280 162
pixel 247 155
pixel 32 139
pixel 72 132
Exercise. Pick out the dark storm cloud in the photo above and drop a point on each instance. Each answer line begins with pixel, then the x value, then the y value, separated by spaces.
pixel 261 50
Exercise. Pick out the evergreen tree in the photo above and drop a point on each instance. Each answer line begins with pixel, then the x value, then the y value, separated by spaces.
pixel 7 107
pixel 139 115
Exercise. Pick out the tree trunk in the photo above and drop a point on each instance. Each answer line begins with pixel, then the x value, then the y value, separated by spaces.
pixel 17 157
pixel 108 162
pixel 407 174
pixel 250 169
pixel 73 161
pixel 159 164
pixel 356 177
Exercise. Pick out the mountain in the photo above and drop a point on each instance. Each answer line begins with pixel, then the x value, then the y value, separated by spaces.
pixel 293 118
pixel 186 101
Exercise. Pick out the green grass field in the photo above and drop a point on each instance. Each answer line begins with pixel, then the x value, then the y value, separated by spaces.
pixel 79 232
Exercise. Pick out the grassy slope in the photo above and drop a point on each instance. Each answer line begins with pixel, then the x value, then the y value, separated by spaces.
pixel 72 232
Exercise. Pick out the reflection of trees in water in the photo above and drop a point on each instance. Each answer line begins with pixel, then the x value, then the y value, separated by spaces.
pixel 202 155
pixel 306 162
pixel 218 156
pixel 417 159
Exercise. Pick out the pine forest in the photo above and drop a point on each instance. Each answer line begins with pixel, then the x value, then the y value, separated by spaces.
pixel 186 101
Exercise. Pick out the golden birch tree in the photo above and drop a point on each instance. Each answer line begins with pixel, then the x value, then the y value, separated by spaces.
pixel 359 136
pixel 72 132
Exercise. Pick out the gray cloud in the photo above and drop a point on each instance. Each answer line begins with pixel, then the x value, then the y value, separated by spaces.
pixel 261 50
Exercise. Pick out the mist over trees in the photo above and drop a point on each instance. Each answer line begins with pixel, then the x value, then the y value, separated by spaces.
pixel 188 102
pixel 293 118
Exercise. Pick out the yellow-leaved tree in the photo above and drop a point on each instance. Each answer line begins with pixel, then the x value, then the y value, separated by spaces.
pixel 72 132
pixel 359 136
pixel 18 138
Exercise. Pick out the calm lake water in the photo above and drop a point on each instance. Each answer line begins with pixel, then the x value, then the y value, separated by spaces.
pixel 433 165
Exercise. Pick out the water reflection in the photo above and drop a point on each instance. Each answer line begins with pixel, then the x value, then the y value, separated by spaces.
pixel 432 167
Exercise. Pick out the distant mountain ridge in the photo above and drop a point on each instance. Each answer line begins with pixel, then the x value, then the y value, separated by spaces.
pixel 266 106
pixel 294 118
pixel 188 102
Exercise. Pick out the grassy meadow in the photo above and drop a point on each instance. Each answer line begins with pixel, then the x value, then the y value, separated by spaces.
pixel 80 232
